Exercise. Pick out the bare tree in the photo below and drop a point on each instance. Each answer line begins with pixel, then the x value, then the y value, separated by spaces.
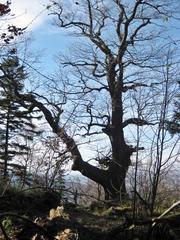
pixel 44 164
pixel 161 152
pixel 121 44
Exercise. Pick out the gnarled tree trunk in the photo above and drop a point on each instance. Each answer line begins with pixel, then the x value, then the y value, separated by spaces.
pixel 109 67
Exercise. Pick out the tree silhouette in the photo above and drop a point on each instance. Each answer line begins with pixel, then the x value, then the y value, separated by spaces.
pixel 120 52
pixel 17 127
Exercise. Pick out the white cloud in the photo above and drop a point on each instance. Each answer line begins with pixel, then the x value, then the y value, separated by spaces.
pixel 30 13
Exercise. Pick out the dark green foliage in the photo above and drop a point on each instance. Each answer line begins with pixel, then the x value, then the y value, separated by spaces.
pixel 17 127
pixel 10 32
pixel 4 8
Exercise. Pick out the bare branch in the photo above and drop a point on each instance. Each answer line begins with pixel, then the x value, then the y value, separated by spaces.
pixel 124 42
pixel 169 209
pixel 90 18
pixel 136 121
pixel 133 36
pixel 133 86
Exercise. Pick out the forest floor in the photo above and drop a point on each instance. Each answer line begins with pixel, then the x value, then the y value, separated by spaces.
pixel 38 215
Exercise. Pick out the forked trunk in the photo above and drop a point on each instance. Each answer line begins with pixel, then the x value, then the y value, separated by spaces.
pixel 112 180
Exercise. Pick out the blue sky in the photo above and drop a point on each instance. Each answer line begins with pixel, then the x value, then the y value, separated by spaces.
pixel 47 39
pixel 29 11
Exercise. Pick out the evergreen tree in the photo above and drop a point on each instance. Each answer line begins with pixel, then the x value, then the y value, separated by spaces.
pixel 16 122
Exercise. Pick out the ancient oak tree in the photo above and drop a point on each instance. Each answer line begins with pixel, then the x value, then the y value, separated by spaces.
pixel 118 53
